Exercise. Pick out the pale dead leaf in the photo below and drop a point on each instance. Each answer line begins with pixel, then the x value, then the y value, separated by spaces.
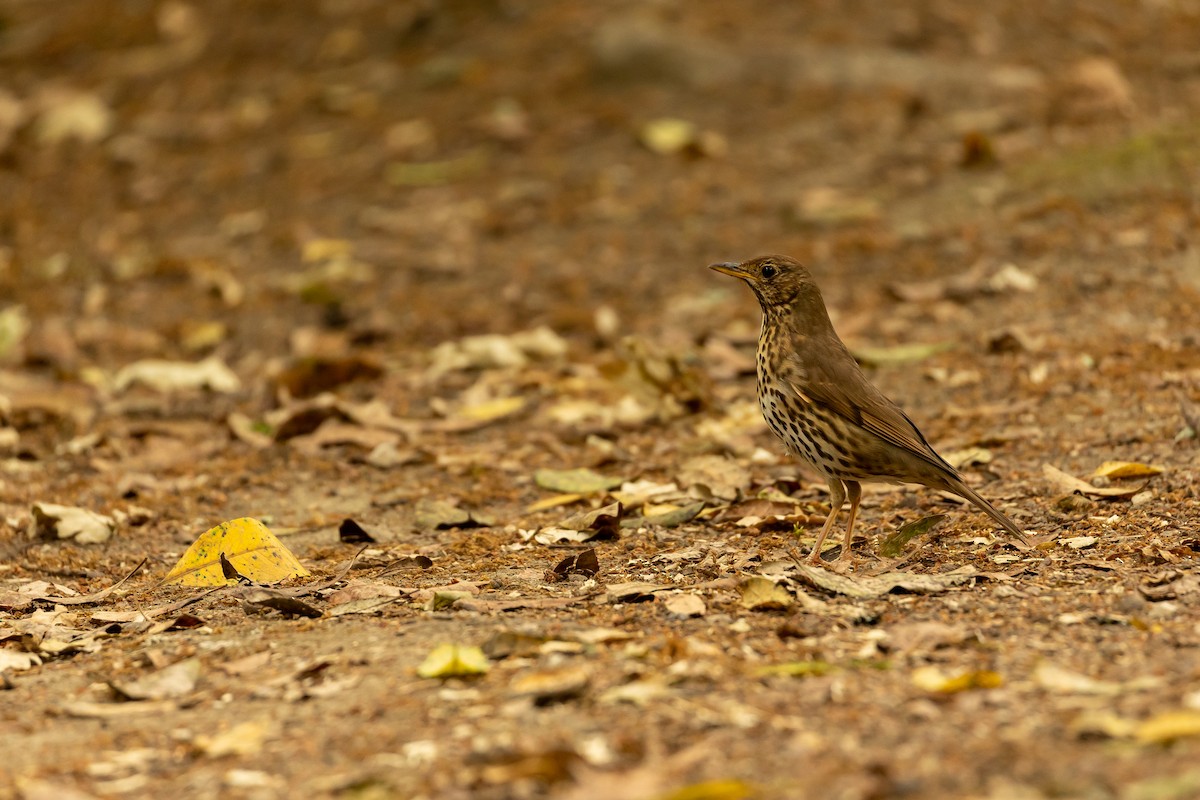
pixel 170 682
pixel 1069 483
pixel 864 587
pixel 764 594
pixel 51 521
pixel 173 376
pixel 686 604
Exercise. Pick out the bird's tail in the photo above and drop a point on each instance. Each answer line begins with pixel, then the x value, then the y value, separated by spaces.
pixel 987 508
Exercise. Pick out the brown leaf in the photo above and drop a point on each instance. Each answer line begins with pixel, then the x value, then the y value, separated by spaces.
pixel 585 564
pixel 350 532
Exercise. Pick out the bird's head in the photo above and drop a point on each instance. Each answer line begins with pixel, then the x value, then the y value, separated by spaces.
pixel 776 280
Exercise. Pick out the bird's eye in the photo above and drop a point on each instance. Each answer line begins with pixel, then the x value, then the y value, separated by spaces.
pixel 768 271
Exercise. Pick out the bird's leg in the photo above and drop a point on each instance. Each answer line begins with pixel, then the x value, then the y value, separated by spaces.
pixel 837 496
pixel 854 492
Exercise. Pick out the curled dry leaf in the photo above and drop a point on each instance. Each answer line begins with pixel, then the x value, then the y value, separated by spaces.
pixel 243 739
pixel 865 587
pixel 64 112
pixel 248 431
pixel 173 376
pixel 967 457
pixel 1169 726
pixel 585 564
pixel 438 514
pixel 262 598
pixel 685 604
pixel 174 681
pixel 491 351
pixel 799 669
pixel 597 525
pixel 1126 469
pixel 16 660
pixel 922 638
pixel 1070 483
pixel 722 477
pixel 634 591
pixel 1078 542
pixel 51 521
pixel 669 136
pixel 1064 681
pixel 604 521
pixel 552 685
pixel 1171 586
pixel 764 594
pixel 505 643
pixel 454 661
pixel 932 679
pixel 574 481
pixel 668 518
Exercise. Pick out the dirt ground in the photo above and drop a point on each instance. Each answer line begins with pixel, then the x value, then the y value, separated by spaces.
pixel 430 256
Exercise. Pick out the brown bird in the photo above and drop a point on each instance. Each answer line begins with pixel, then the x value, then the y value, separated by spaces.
pixel 818 401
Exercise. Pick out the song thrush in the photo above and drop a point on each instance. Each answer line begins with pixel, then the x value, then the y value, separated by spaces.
pixel 818 401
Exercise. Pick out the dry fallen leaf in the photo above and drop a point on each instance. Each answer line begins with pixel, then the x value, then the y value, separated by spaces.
pixel 932 679
pixel 552 685
pixel 438 514
pixel 585 563
pixel 1126 469
pixel 454 661
pixel 1070 483
pixel 245 543
pixel 243 739
pixel 174 681
pixel 1169 726
pixel 51 521
pixel 685 604
pixel 721 476
pixel 574 481
pixel 1064 681
pixel 868 586
pixel 172 376
pixel 764 594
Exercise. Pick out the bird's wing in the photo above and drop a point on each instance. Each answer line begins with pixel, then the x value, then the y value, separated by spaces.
pixel 832 382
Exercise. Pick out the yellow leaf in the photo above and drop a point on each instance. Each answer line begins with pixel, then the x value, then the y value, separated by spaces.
pixel 453 661
pixel 555 501
pixel 721 789
pixel 666 136
pixel 932 679
pixel 799 669
pixel 248 545
pixel 1126 469
pixel 492 409
pixel 1169 726
pixel 325 249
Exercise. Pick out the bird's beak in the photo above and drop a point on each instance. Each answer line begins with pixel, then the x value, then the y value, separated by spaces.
pixel 730 268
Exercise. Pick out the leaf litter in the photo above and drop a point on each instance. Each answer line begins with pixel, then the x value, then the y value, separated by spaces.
pixel 640 368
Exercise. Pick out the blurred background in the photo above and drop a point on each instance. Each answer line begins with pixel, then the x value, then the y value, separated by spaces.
pixel 486 166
